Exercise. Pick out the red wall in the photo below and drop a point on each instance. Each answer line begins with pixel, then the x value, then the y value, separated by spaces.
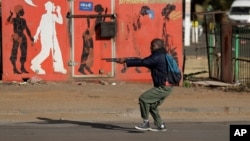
pixel 136 42
pixel 32 16
pixel 134 34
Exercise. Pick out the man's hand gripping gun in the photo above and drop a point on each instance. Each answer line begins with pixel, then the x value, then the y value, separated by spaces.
pixel 118 60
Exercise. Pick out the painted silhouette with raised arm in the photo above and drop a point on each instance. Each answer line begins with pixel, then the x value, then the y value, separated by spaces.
pixel 49 41
pixel 19 38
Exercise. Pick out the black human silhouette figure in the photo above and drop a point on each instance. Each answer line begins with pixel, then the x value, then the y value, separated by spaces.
pixel 87 56
pixel 167 38
pixel 19 38
pixel 87 53
pixel 166 11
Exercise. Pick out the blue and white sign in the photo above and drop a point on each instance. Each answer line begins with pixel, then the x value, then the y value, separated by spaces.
pixel 86 6
pixel 151 14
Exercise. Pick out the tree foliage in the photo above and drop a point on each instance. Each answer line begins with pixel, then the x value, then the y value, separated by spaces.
pixel 222 5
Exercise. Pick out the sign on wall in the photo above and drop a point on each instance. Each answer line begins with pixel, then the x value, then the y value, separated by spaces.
pixel 86 6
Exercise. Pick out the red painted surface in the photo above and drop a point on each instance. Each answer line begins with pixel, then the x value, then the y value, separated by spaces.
pixel 127 43
pixel 32 16
pixel 101 48
pixel 132 42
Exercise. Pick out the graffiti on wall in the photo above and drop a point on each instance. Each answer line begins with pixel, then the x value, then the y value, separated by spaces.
pixel 45 32
pixel 87 56
pixel 30 2
pixel 136 26
pixel 48 39
pixel 19 39
pixel 145 1
pixel 169 13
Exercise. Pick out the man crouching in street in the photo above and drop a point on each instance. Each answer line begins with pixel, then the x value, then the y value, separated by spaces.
pixel 151 99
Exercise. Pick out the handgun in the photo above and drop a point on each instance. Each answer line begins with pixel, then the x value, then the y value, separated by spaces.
pixel 123 70
pixel 117 59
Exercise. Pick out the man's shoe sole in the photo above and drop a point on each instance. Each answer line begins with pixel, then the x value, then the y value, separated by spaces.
pixel 158 130
pixel 142 129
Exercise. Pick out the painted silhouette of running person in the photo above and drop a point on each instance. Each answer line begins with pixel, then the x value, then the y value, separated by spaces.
pixel 49 41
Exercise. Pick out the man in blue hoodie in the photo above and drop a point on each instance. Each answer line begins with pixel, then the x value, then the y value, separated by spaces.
pixel 151 99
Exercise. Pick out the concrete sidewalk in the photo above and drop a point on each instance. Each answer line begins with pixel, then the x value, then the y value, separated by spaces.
pixel 117 103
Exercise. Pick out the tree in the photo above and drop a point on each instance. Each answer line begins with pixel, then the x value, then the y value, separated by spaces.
pixel 222 5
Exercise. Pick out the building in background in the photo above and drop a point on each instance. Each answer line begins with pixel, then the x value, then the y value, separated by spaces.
pixel 85 32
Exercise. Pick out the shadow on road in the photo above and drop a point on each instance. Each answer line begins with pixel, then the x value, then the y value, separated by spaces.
pixel 90 124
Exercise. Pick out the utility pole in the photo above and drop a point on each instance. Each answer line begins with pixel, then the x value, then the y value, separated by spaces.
pixel 187 22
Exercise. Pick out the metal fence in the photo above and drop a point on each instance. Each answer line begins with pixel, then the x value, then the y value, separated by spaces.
pixel 241 53
pixel 228 49
pixel 213 39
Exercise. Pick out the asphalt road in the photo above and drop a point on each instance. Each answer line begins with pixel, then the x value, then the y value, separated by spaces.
pixel 65 130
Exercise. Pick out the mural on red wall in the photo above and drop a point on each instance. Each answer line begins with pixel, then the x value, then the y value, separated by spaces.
pixel 169 13
pixel 30 2
pixel 45 32
pixel 19 38
pixel 87 57
pixel 146 16
pixel 144 21
pixel 137 26
pixel 35 39
pixel 137 22
pixel 91 22
pixel 49 41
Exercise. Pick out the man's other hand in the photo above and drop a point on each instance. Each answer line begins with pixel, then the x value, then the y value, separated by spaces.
pixel 121 60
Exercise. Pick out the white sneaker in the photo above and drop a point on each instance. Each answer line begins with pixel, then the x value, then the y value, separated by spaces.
pixel 143 126
pixel 161 128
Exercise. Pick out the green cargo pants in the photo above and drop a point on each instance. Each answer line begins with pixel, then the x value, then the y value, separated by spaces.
pixel 150 100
